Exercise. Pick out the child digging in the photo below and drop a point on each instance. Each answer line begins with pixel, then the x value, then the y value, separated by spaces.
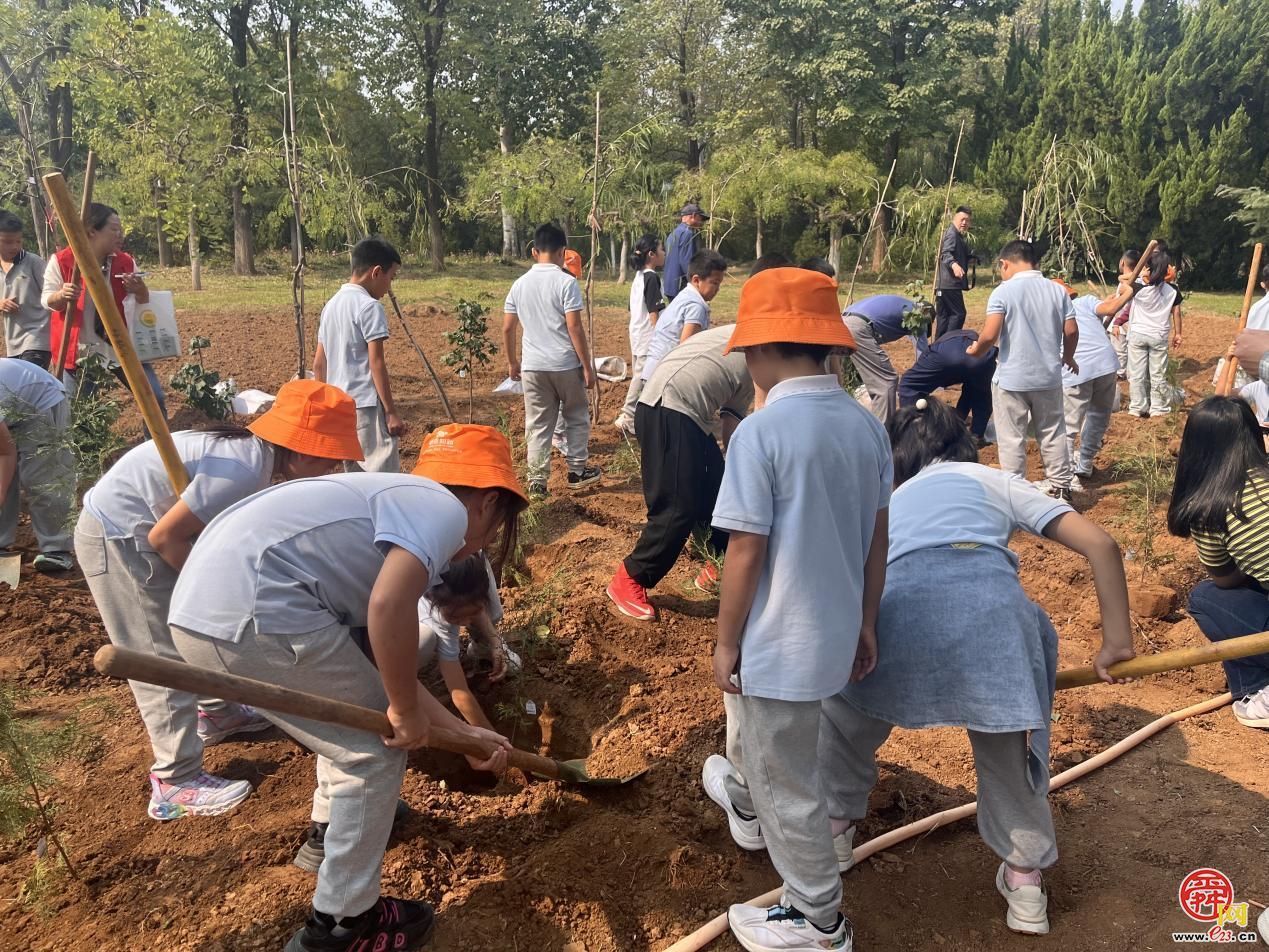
pixel 273 591
pixel 1155 320
pixel 951 520
pixel 1033 322
pixel 555 366
pixel 350 354
pixel 804 499
pixel 135 535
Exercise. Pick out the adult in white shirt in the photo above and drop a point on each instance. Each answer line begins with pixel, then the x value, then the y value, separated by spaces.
pixel 274 590
pixel 134 536
pixel 349 355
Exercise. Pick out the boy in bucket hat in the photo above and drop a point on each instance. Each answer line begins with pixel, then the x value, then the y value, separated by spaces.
pixel 804 499
pixel 681 248
pixel 134 536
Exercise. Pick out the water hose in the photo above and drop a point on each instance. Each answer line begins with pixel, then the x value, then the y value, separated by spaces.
pixel 718 925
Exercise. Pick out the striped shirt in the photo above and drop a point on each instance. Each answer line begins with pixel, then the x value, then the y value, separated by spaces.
pixel 1244 542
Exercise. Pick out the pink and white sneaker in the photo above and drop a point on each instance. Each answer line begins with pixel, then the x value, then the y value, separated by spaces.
pixel 205 795
pixel 234 719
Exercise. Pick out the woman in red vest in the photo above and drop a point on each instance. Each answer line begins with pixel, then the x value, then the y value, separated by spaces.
pixel 105 235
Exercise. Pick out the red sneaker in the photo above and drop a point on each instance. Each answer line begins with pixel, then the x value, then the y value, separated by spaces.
pixel 629 596
pixel 707 580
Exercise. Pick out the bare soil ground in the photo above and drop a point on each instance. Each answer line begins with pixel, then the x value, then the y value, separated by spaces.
pixel 537 866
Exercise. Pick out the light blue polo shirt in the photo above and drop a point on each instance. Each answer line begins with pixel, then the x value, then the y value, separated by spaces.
pixel 1036 311
pixel 810 471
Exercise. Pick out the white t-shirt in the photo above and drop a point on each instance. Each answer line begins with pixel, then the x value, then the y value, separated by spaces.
pixel 447 638
pixel 1094 353
pixel 349 321
pixel 1258 316
pixel 640 324
pixel 1036 311
pixel 135 493
pixel 540 298
pixel 304 555
pixel 949 503
pixel 1152 311
pixel 688 307
pixel 1257 394
pixel 25 388
pixel 810 472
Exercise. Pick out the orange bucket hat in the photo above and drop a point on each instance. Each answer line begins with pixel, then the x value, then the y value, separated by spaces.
pixel 573 263
pixel 1070 291
pixel 789 306
pixel 468 454
pixel 312 418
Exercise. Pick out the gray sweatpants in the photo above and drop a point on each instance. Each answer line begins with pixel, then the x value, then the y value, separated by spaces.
pixel 547 394
pixel 378 445
pixel 1148 387
pixel 635 388
pixel 1011 411
pixel 773 747
pixel 358 778
pixel 875 369
pixel 46 473
pixel 1088 409
pixel 133 591
pixel 1014 818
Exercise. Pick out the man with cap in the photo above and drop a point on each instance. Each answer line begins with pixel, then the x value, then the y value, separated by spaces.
pixel 681 248
pixel 874 321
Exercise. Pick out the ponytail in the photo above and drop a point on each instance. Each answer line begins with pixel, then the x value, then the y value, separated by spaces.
pixel 1158 266
pixel 644 248
pixel 224 431
pixel 929 431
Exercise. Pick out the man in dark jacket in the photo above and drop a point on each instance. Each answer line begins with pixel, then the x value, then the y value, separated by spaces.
pixel 681 248
pixel 952 280
pixel 945 364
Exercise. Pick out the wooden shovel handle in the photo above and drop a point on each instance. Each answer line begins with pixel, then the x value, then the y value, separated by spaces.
pixel 1170 660
pixel 126 664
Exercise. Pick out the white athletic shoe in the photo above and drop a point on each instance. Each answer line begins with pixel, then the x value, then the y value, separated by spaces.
pixel 746 832
pixel 1028 906
pixel 1262 926
pixel 235 719
pixel 1253 710
pixel 205 795
pixel 1076 485
pixel 784 929
pixel 844 847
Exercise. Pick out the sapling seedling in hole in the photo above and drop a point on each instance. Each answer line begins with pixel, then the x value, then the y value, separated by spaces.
pixel 472 347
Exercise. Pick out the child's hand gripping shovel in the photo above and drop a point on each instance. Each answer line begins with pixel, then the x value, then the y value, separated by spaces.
pixel 135 666
pixel 1170 660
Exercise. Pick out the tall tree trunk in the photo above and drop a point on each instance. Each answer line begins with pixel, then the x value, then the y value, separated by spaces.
pixel 612 253
pixel 239 127
pixel 757 241
pixel 433 195
pixel 160 218
pixel 687 104
pixel 835 246
pixel 625 257
pixel 509 250
pixel 195 257
pixel 885 215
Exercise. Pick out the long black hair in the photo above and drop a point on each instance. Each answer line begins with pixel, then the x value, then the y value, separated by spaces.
pixel 644 248
pixel 929 430
pixel 1158 266
pixel 464 583
pixel 1220 448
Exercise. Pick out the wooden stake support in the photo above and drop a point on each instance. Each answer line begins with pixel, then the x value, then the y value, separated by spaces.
pixel 440 388
pixel 59 358
pixel 1231 365
pixel 116 329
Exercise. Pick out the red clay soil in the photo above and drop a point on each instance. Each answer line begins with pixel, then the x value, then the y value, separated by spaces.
pixel 537 866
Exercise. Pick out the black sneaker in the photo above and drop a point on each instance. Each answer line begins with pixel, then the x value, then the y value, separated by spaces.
pixel 389 924
pixel 313 850
pixel 587 477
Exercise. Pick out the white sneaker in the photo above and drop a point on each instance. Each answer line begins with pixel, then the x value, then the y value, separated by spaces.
pixel 844 847
pixel 1262 926
pixel 235 719
pixel 205 795
pixel 1028 906
pixel 746 832
pixel 1076 485
pixel 1253 710
pixel 784 929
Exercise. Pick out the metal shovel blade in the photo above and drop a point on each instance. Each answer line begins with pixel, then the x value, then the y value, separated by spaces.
pixel 574 771
pixel 10 570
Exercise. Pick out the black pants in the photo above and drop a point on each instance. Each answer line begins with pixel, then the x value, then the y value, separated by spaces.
pixel 949 311
pixel 41 358
pixel 682 469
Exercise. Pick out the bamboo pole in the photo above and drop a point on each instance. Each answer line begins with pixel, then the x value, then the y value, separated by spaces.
pixel 876 213
pixel 440 389
pixel 938 241
pixel 590 270
pixel 86 198
pixel 1231 365
pixel 116 330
